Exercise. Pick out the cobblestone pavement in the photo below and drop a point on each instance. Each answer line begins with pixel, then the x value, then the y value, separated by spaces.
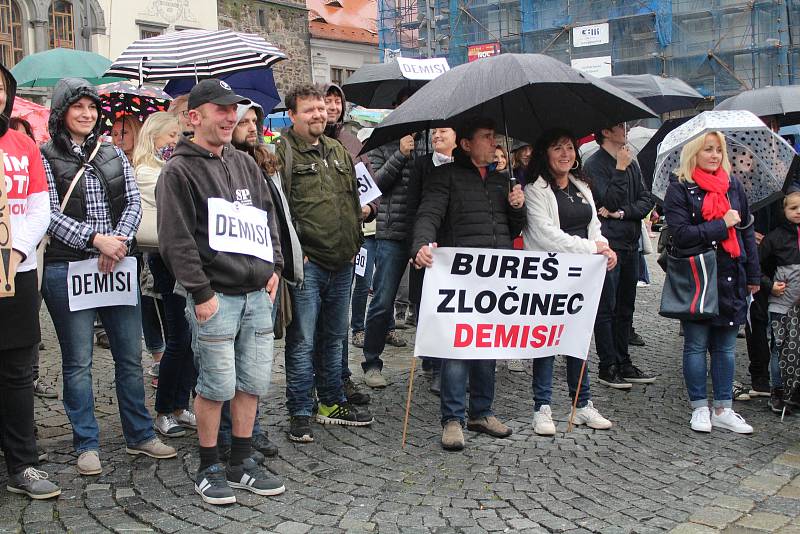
pixel 649 473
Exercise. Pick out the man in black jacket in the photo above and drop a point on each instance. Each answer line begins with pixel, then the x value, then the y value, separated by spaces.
pixel 622 203
pixel 465 204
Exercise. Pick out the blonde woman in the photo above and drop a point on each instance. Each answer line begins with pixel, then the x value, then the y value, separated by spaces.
pixel 124 134
pixel 704 207
pixel 176 374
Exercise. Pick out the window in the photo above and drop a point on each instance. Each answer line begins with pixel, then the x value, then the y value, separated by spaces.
pixel 62 30
pixel 10 33
pixel 146 31
pixel 339 75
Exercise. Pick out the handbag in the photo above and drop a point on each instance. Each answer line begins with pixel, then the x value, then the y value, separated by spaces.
pixel 45 242
pixel 690 289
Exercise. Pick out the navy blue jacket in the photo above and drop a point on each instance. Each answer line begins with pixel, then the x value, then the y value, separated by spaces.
pixel 683 211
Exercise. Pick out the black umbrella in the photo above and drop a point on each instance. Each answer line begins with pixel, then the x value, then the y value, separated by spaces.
pixel 528 93
pixel 647 155
pixel 783 101
pixel 376 85
pixel 659 93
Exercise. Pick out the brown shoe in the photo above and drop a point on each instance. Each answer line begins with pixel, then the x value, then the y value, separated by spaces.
pixel 452 436
pixel 489 425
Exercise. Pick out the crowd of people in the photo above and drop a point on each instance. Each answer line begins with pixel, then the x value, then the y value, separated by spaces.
pixel 238 242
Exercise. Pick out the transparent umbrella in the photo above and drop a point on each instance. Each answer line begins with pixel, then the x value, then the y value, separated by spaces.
pixel 760 158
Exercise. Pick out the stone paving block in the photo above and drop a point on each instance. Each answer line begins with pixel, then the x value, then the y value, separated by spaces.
pixel 714 516
pixel 764 521
pixel 790 491
pixel 292 527
pixel 788 458
pixel 735 503
pixel 768 484
pixel 693 528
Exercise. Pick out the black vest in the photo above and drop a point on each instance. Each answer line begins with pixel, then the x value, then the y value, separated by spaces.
pixel 107 166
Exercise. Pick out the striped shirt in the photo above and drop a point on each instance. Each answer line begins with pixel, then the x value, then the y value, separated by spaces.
pixel 97 209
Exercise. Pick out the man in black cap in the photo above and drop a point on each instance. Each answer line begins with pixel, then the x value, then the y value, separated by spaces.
pixel 218 235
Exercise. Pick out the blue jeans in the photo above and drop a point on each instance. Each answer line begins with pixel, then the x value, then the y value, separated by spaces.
pixel 542 382
pixel 361 289
pixel 391 260
pixel 775 346
pixel 225 421
pixel 233 349
pixel 75 331
pixel 152 318
pixel 454 389
pixel 612 326
pixel 327 293
pixel 700 338
pixel 177 375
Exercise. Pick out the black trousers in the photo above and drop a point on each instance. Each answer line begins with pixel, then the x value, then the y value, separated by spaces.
pixel 757 344
pixel 16 408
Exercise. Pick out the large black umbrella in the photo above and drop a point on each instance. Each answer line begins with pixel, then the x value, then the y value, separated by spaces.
pixel 376 85
pixel 659 93
pixel 782 100
pixel 526 93
pixel 647 155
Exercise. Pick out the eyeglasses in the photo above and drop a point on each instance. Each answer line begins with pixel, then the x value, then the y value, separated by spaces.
pixel 185 113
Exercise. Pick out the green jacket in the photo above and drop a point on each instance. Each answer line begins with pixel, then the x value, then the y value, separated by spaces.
pixel 323 199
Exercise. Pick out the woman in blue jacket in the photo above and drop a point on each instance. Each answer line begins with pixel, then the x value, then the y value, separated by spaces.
pixel 705 208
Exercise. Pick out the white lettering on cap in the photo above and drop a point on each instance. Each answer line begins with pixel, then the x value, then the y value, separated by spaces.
pixel 224 85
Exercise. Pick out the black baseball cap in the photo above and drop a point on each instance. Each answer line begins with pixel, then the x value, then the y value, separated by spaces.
pixel 214 91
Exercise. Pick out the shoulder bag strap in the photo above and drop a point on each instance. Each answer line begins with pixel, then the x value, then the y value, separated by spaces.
pixel 78 177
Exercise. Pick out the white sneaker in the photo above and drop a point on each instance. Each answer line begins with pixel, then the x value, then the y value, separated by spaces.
pixel 167 426
pixel 543 421
pixel 374 379
pixel 701 419
pixel 187 419
pixel 589 416
pixel 732 421
pixel 516 366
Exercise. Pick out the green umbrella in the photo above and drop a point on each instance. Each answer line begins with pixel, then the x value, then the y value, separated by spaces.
pixel 45 69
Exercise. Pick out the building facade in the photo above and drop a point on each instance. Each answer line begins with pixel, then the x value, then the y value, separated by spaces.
pixel 284 23
pixel 720 47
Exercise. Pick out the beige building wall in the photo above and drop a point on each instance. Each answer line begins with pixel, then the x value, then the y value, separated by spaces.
pixel 125 20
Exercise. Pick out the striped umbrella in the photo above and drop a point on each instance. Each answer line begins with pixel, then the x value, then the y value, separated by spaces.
pixel 194 54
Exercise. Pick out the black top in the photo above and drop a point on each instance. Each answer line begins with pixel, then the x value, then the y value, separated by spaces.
pixel 574 212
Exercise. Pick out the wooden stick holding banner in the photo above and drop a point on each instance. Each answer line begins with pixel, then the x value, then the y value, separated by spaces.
pixel 6 277
pixel 408 399
pixel 575 400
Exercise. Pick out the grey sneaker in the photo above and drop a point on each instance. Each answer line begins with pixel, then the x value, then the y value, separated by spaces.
pixel 394 339
pixel 153 448
pixel 33 483
pixel 212 485
pixel 89 463
pixel 167 426
pixel 374 379
pixel 516 366
pixel 44 390
pixel 358 339
pixel 253 478
pixel 187 419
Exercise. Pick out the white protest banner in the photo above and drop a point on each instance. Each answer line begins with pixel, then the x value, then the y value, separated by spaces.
pixel 361 262
pixel 367 188
pixel 422 69
pixel 88 288
pixel 594 34
pixel 500 304
pixel 596 66
pixel 235 227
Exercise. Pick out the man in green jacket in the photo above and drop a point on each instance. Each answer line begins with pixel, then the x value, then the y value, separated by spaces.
pixel 319 181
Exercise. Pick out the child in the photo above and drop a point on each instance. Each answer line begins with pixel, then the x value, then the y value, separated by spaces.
pixel 780 267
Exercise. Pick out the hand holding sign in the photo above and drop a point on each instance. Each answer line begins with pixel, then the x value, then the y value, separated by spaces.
pixel 112 246
pixel 367 189
pixel 424 256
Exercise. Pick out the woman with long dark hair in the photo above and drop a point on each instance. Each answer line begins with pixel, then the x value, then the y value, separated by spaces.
pixel 561 217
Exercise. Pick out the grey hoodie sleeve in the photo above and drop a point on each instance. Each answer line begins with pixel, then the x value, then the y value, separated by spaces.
pixel 176 228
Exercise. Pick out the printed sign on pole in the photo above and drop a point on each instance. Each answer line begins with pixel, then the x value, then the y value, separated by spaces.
pixel 235 227
pixel 422 69
pixel 88 288
pixel 361 262
pixel 500 304
pixel 367 188
pixel 6 282
pixel 593 34
pixel 596 66
pixel 478 51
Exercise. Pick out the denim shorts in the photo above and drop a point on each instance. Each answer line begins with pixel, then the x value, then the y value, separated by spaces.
pixel 233 348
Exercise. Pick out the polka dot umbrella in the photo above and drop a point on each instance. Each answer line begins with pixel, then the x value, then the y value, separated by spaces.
pixel 126 98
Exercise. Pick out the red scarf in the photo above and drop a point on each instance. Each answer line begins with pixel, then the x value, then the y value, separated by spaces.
pixel 716 203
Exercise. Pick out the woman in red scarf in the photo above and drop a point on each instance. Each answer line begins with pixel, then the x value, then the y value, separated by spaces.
pixel 705 208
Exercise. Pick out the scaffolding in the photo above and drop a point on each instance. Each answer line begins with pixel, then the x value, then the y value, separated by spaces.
pixel 720 47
